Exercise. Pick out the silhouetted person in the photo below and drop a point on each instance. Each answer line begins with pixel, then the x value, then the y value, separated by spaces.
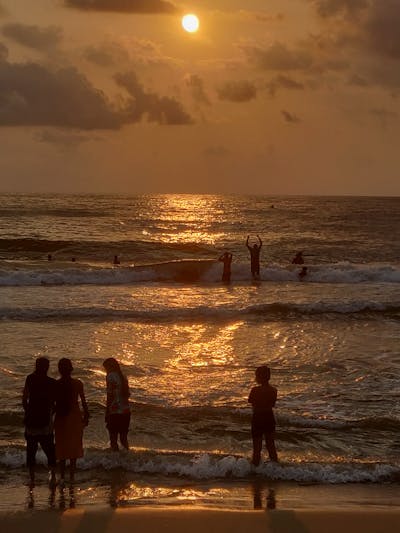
pixel 298 259
pixel 118 412
pixel 262 399
pixel 49 257
pixel 69 421
pixel 254 257
pixel 38 402
pixel 73 259
pixel 302 274
pixel 226 259
pixel 116 260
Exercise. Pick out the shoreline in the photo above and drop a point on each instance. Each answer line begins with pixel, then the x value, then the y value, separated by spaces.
pixel 200 520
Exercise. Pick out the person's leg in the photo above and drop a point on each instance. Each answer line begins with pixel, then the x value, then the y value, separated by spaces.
pixel 113 440
pixel 270 445
pixel 72 468
pixel 257 446
pixel 123 429
pixel 123 437
pixel 47 444
pixel 62 471
pixel 31 450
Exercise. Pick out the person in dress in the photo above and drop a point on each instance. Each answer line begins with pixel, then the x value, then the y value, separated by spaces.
pixel 70 419
pixel 118 412
pixel 38 402
pixel 263 398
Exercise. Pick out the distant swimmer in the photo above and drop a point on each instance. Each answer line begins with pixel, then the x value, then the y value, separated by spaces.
pixel 302 274
pixel 254 257
pixel 116 260
pixel 49 257
pixel 298 259
pixel 226 259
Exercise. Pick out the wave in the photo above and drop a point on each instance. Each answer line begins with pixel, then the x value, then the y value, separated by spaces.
pixel 264 312
pixel 239 417
pixel 31 273
pixel 208 466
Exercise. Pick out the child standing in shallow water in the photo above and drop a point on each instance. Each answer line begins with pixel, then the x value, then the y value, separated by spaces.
pixel 262 399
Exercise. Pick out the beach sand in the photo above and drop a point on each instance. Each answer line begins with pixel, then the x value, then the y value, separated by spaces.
pixel 182 520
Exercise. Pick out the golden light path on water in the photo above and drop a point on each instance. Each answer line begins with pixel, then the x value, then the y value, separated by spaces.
pixel 198 213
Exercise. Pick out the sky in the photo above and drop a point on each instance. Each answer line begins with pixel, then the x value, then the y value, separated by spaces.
pixel 269 97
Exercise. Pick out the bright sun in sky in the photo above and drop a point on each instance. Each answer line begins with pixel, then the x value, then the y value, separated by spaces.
pixel 190 23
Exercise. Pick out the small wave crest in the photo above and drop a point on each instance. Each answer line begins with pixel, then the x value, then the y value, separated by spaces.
pixel 208 466
pixel 25 273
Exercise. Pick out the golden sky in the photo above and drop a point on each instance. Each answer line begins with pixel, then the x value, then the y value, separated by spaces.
pixel 268 97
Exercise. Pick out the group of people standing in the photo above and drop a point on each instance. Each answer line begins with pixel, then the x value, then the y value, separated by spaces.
pixel 254 250
pixel 56 413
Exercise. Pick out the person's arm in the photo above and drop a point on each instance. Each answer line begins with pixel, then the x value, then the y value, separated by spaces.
pixel 274 396
pixel 84 404
pixel 259 240
pixel 247 242
pixel 25 395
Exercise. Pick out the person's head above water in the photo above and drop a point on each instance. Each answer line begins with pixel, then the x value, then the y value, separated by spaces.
pixel 42 365
pixel 111 365
pixel 65 367
pixel 263 373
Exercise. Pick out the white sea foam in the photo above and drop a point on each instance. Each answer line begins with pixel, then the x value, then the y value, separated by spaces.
pixel 206 271
pixel 207 466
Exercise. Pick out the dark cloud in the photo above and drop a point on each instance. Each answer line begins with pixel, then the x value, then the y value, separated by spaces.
pixel 217 151
pixel 196 85
pixel 33 36
pixel 106 54
pixel 383 27
pixel 125 6
pixel 283 82
pixel 63 139
pixel 34 95
pixel 161 109
pixel 278 57
pixel 290 117
pixel 3 52
pixel 237 91
pixel 329 8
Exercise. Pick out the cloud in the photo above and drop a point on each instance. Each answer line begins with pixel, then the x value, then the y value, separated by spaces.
pixel 196 85
pixel 34 95
pixel 217 151
pixel 383 28
pixel 63 139
pixel 33 36
pixel 106 54
pixel 278 57
pixel 329 8
pixel 161 109
pixel 3 52
pixel 283 82
pixel 125 6
pixel 237 91
pixel 290 117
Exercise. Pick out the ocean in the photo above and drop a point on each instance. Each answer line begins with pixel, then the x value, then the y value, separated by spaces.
pixel 190 344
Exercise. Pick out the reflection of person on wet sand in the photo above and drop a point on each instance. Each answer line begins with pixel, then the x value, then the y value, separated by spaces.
pixel 254 257
pixel 226 259
pixel 298 259
pixel 262 399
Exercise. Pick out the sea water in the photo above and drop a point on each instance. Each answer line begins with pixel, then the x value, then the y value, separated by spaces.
pixel 189 344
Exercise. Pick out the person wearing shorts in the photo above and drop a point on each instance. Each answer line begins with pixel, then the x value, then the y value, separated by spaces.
pixel 263 398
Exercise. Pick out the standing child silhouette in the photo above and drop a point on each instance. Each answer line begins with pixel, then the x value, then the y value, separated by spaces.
pixel 263 398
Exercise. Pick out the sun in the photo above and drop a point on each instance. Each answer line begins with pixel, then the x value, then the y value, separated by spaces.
pixel 190 23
